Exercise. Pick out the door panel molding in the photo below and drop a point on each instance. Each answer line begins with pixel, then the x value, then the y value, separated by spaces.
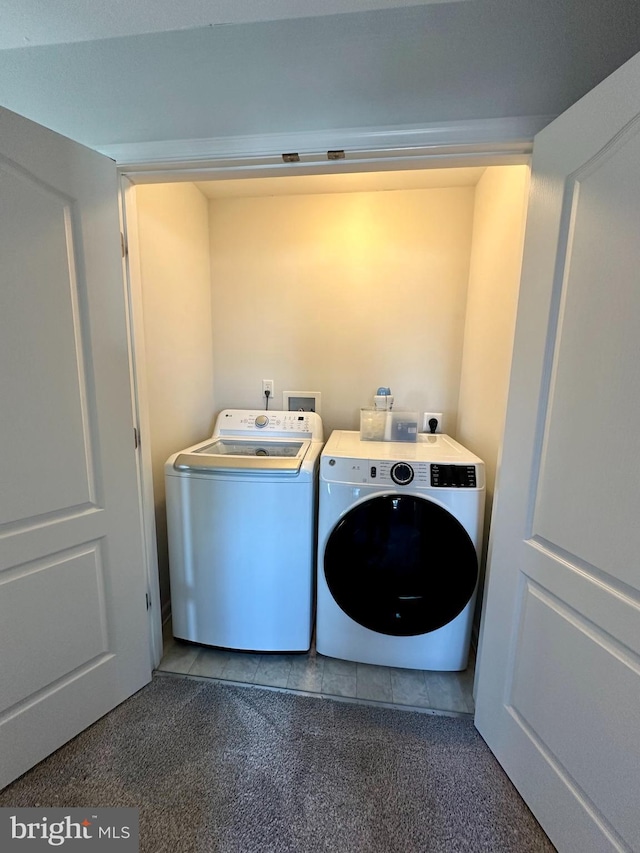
pixel 11 528
pixel 565 560
pixel 46 320
pixel 611 841
pixel 31 543
pixel 34 619
pixel 582 452
pixel 613 606
pixel 563 699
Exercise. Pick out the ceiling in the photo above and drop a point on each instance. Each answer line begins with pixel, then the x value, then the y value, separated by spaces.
pixel 31 22
pixel 162 76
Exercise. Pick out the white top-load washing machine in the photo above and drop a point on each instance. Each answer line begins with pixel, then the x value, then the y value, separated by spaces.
pixel 399 538
pixel 241 526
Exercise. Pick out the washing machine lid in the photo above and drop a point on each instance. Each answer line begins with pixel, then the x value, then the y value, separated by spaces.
pixel 240 455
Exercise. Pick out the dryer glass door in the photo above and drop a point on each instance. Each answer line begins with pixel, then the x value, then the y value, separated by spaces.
pixel 400 565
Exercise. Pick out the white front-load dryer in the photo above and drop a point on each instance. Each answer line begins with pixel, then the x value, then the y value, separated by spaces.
pixel 399 538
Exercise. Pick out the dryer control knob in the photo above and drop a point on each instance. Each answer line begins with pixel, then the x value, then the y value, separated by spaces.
pixel 261 421
pixel 401 473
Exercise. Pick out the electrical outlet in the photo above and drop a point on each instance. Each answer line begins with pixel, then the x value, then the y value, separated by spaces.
pixel 267 385
pixel 430 416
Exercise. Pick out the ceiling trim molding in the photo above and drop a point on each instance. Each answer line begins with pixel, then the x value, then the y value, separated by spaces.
pixel 501 136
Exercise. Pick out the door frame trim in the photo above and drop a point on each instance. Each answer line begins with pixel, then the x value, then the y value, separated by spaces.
pixel 370 146
pixel 140 408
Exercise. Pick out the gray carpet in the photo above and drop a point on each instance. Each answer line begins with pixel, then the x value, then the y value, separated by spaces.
pixel 216 767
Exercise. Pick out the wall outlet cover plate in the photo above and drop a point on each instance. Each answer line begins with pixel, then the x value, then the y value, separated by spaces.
pixel 429 416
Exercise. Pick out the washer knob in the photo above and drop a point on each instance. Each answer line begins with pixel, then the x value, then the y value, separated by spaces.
pixel 401 473
pixel 261 421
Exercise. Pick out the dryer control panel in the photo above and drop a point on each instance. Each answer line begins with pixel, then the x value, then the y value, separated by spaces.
pixel 392 473
pixel 461 476
pixel 424 474
pixel 387 472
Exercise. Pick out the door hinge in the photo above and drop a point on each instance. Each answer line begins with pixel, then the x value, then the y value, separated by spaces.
pixel 148 597
pixel 136 438
pixel 123 245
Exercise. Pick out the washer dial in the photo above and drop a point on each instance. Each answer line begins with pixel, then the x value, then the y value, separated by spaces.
pixel 401 473
pixel 261 421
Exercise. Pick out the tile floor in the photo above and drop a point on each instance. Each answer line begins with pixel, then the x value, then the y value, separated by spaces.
pixel 449 692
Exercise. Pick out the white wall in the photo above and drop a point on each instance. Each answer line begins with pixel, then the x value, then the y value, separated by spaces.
pixel 173 234
pixel 340 294
pixel 494 281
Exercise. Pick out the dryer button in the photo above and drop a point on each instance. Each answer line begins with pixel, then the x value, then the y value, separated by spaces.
pixel 373 472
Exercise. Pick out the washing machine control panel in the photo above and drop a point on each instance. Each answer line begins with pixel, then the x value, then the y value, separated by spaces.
pixel 275 423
